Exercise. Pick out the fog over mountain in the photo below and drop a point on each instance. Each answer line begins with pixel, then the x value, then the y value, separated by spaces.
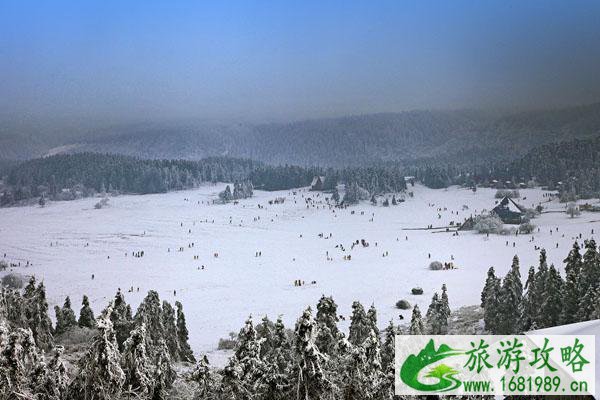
pixel 351 140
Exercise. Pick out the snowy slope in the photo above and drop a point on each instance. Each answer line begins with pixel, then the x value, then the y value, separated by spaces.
pixel 219 298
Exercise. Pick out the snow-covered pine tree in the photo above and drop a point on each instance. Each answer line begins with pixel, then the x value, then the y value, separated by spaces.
pixel 541 277
pixel 570 294
pixel 185 350
pixel 335 196
pixel 247 351
pixel 36 314
pixel 163 375
pixel 19 357
pixel 596 314
pixel 511 301
pixel 552 300
pixel 264 332
pixel 378 378
pixel 120 317
pixel 170 329
pixel 136 364
pixel 86 314
pixel 445 304
pixel 68 314
pixel 363 377
pixel 245 366
pixel 588 280
pixel 372 319
pixel 275 381
pixel 529 312
pixel 417 327
pixel 311 382
pixel 387 347
pixel 491 302
pixel 437 316
pixel 60 325
pixel 360 324
pixel 226 195
pixel 352 195
pixel 100 375
pixel 149 313
pixel 13 307
pixel 65 317
pixel 54 381
pixel 328 334
pixel 204 377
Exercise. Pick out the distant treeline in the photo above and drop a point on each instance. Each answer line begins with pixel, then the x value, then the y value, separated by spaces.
pixel 70 176
pixel 572 167
pixel 63 177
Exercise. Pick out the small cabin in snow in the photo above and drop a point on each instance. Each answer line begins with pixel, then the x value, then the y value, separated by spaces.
pixel 509 211
pixel 317 183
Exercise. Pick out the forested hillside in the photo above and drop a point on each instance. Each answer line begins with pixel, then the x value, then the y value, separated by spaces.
pixel 473 136
pixel 572 167
pixel 71 176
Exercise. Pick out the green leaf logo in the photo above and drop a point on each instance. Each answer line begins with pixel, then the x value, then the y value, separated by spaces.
pixel 413 365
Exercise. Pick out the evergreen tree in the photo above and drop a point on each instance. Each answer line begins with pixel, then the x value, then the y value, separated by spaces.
pixel 226 195
pixel 335 196
pixel 120 318
pixel 372 318
pixel 570 293
pixel 55 380
pixel 170 329
pixel 204 377
pixel 490 301
pixel 149 313
pixel 100 375
pixel 529 312
pixel 417 327
pixel 185 351
pixel 433 316
pixel 360 324
pixel 328 334
pixel 65 317
pixel 588 280
pixel 552 300
pixel 19 356
pixel 387 348
pixel 541 278
pixel 362 370
pixel 275 380
pixel 311 382
pixel 136 364
pixel 511 301
pixel 163 375
pixel 36 314
pixel 86 315
pixel 247 351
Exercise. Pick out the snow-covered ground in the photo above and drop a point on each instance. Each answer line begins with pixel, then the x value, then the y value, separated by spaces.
pixel 235 284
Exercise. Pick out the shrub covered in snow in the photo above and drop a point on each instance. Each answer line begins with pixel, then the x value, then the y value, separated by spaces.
pixel 526 227
pixel 13 281
pixel 488 223
pixel 403 304
pixel 101 204
pixel 436 266
pixel 417 290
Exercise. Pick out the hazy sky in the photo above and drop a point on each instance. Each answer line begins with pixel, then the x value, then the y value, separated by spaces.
pixel 273 60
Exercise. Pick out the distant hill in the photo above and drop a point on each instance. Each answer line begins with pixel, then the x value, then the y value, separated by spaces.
pixel 353 140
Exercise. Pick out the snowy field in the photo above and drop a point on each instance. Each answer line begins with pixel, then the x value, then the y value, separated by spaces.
pixel 67 242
